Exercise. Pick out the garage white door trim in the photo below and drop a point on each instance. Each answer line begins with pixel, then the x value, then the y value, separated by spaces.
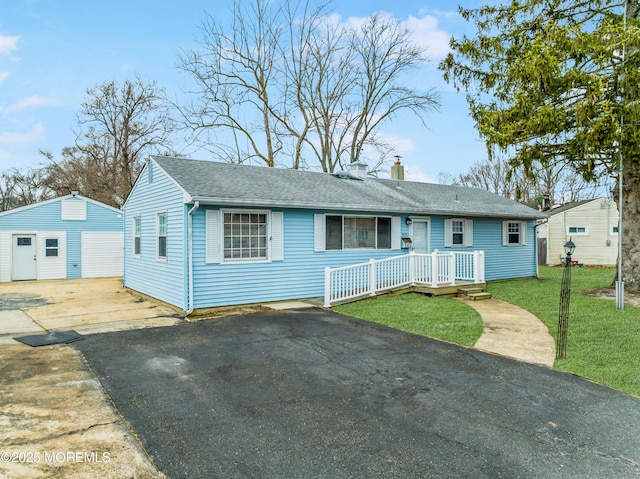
pixel 102 254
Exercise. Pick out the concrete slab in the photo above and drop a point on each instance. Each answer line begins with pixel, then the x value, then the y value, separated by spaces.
pixel 284 305
pixel 513 332
pixel 16 322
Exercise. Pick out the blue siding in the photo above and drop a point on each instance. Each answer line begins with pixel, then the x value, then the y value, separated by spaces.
pixel 46 216
pixel 301 274
pixel 164 280
pixel 501 262
pixel 74 254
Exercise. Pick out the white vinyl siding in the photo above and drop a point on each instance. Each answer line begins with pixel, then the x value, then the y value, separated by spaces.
pixel 52 267
pixel 73 210
pixel 458 233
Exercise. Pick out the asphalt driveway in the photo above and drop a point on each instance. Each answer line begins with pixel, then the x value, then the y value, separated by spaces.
pixel 313 394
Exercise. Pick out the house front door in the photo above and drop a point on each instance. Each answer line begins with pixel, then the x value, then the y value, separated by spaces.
pixel 23 257
pixel 420 236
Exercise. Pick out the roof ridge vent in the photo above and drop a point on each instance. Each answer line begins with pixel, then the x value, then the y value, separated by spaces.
pixel 346 175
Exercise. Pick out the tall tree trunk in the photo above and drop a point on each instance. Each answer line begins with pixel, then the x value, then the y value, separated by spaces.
pixel 629 207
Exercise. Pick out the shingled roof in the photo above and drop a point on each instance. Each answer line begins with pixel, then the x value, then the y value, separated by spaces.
pixel 242 185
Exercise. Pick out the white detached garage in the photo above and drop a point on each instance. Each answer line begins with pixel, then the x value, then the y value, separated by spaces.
pixel 67 237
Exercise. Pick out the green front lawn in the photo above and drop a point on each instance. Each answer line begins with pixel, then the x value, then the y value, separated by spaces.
pixel 603 344
pixel 440 318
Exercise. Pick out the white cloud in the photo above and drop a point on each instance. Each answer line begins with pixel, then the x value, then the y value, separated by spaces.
pixel 8 44
pixel 22 140
pixel 429 36
pixel 4 76
pixel 412 173
pixel 426 31
pixel 32 101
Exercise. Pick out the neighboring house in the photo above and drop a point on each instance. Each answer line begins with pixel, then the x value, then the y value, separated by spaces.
pixel 201 234
pixel 593 227
pixel 66 237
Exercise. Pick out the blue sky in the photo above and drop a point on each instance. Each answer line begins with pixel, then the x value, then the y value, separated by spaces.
pixel 52 51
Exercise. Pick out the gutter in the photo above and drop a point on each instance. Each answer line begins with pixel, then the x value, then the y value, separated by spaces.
pixel 235 202
pixel 196 205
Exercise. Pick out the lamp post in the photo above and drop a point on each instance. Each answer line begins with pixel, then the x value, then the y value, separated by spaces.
pixel 565 296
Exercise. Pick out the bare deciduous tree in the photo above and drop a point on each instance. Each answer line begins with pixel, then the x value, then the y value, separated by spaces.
pixel 22 187
pixel 286 80
pixel 119 126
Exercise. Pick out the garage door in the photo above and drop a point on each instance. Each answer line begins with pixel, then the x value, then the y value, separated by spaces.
pixel 102 254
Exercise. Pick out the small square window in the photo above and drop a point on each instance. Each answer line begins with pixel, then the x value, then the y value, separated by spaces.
pixel 51 247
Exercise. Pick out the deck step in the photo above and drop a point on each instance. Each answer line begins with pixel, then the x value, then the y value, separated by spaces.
pixel 473 293
pixel 479 296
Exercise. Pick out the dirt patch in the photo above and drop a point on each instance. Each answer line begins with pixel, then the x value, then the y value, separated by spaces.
pixel 630 297
pixel 57 422
pixel 12 301
pixel 223 311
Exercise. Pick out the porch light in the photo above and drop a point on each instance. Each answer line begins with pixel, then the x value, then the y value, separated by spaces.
pixel 408 221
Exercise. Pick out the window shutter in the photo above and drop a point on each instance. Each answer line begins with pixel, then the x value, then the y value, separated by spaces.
pixel 277 236
pixel 213 234
pixel 523 232
pixel 319 235
pixel 468 232
pixel 505 233
pixel 395 232
pixel 448 234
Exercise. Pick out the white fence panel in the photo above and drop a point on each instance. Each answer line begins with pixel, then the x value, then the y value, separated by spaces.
pixel 367 279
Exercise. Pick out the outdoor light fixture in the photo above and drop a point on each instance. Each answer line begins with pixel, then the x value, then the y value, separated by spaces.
pixel 569 248
pixel 565 297
pixel 408 221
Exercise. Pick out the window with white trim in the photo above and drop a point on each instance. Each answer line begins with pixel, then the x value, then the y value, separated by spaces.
pixel 137 223
pixel 514 233
pixel 458 232
pixel 162 235
pixel 357 232
pixel 244 236
pixel 51 247
pixel 578 230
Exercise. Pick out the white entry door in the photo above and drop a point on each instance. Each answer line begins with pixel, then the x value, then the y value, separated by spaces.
pixel 420 236
pixel 24 257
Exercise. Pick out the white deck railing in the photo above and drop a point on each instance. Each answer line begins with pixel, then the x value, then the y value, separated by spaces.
pixel 375 276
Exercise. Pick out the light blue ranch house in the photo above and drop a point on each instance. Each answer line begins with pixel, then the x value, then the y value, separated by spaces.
pixel 62 238
pixel 202 234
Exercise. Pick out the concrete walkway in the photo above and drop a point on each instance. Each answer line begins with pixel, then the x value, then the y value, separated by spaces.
pixel 513 332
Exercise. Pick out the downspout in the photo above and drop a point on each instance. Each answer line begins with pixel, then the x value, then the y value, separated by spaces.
pixel 536 231
pixel 196 205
